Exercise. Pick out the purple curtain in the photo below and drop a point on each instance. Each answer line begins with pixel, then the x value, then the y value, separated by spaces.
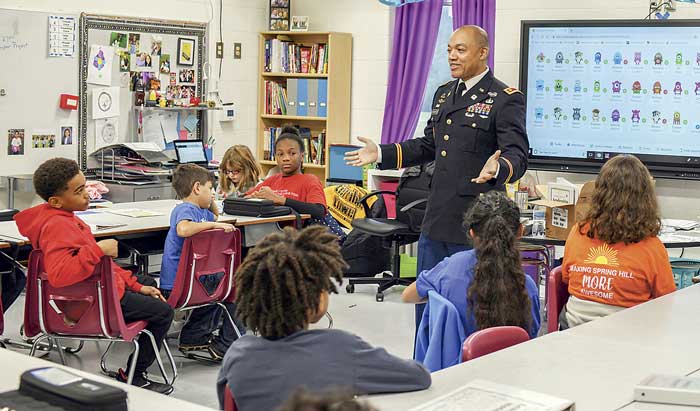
pixel 481 13
pixel 415 33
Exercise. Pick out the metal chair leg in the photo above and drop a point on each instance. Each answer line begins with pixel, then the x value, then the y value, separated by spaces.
pixel 103 362
pixel 230 319
pixel 37 340
pixel 159 361
pixel 330 319
pixel 62 357
pixel 71 350
pixel 132 366
pixel 172 361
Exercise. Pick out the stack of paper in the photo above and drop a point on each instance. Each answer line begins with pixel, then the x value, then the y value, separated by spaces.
pixel 680 224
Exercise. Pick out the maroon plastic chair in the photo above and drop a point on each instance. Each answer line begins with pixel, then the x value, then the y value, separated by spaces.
pixel 491 340
pixel 229 402
pixel 557 296
pixel 208 253
pixel 89 310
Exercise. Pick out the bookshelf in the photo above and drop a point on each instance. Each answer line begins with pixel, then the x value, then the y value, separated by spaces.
pixel 338 76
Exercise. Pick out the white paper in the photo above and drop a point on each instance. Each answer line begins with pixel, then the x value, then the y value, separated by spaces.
pixel 100 65
pixel 143 146
pixel 191 123
pixel 152 131
pixel 105 102
pixel 168 121
pixel 61 36
pixel 106 132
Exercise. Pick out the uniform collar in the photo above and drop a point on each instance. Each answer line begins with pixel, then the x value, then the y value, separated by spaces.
pixel 473 81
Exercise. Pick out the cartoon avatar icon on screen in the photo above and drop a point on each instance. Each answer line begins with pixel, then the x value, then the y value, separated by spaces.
pixel 637 57
pixel 616 86
pixel 596 86
pixel 540 57
pixel 617 58
pixel 656 89
pixel 635 116
pixel 597 57
pixel 615 115
pixel 677 88
pixel 559 58
pixel 558 85
pixel 636 87
pixel 595 115
pixel 697 88
pixel 658 59
pixel 676 118
pixel 557 113
pixel 539 113
pixel 656 116
pixel 578 56
pixel 539 85
pixel 576 114
pixel 577 86
pixel 679 58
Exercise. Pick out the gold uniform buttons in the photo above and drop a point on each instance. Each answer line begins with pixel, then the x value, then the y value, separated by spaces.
pixel 449 121
pixel 444 153
pixel 446 137
pixel 473 125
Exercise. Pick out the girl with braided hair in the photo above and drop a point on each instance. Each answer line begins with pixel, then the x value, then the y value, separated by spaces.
pixel 487 284
pixel 282 287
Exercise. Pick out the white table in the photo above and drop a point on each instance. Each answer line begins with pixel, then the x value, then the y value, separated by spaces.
pixel 8 229
pixel 596 365
pixel 14 364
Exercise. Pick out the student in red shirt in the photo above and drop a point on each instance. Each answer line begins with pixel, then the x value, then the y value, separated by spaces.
pixel 292 188
pixel 71 254
pixel 613 259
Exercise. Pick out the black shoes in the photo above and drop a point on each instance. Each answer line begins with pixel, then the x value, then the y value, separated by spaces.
pixel 141 380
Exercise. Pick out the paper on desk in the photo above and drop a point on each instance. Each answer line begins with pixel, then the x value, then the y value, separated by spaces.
pixel 168 122
pixel 680 224
pixel 485 395
pixel 191 123
pixel 134 212
pixel 101 227
pixel 152 130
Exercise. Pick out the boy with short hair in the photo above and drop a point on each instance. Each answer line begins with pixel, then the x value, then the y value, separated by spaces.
pixel 71 254
pixel 197 213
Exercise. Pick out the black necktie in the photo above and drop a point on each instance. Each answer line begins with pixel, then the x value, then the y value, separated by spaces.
pixel 461 88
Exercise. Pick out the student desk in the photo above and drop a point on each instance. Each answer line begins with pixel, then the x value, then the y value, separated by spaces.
pixel 596 365
pixel 14 364
pixel 141 226
pixel 677 239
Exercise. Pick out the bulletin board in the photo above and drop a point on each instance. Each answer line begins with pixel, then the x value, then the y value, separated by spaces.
pixel 108 84
pixel 31 83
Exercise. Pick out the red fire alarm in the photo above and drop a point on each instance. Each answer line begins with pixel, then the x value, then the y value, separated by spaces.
pixel 69 102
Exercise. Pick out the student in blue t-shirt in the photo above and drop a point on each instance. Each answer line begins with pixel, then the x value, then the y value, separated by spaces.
pixel 193 184
pixel 487 284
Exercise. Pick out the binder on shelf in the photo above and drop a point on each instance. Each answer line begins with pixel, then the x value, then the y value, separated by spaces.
pixel 292 97
pixel 322 98
pixel 312 106
pixel 302 97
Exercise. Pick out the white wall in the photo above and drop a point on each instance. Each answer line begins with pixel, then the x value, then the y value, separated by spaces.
pixel 678 199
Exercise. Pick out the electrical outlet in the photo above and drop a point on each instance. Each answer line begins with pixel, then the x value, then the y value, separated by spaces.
pixel 219 50
pixel 236 51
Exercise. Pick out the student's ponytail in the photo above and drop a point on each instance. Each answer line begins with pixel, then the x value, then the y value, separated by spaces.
pixel 498 295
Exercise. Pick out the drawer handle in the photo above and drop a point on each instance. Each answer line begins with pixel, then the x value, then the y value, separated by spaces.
pixel 153 198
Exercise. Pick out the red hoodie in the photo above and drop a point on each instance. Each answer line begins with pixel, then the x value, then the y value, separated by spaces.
pixel 70 251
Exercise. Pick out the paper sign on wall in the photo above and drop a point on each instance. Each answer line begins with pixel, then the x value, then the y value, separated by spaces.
pixel 105 102
pixel 106 132
pixel 100 65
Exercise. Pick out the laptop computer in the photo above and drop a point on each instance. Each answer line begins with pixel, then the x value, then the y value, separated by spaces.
pixel 190 152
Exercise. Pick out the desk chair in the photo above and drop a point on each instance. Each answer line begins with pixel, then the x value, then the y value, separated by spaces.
pixel 492 339
pixel 557 296
pixel 206 256
pixel 405 229
pixel 89 310
pixel 229 402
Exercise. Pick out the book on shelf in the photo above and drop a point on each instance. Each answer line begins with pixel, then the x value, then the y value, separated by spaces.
pixel 283 56
pixel 275 98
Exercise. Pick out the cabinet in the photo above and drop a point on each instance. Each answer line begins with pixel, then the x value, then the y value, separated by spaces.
pixel 125 193
pixel 336 78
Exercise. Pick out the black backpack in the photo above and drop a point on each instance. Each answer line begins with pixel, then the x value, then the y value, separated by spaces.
pixel 366 254
pixel 414 185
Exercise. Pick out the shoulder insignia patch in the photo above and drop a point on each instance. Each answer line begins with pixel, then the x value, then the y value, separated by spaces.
pixel 511 90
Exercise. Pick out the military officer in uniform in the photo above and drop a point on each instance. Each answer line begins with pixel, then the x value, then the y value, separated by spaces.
pixel 476 136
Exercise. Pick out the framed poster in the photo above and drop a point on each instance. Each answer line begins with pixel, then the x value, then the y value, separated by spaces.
pixel 185 51
pixel 279 15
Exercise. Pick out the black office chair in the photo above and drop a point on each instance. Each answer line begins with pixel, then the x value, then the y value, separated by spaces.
pixel 405 229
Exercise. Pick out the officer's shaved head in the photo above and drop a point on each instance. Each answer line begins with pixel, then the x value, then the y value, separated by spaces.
pixel 479 35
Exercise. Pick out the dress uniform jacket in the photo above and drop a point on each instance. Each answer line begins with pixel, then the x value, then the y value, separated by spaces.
pixel 461 134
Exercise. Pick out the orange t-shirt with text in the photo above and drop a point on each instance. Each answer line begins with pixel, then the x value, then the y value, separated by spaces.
pixel 618 274
pixel 301 187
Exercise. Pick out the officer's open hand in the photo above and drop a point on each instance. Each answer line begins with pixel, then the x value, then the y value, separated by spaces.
pixel 366 155
pixel 489 170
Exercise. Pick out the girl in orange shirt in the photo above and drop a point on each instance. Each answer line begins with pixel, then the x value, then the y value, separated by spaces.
pixel 613 259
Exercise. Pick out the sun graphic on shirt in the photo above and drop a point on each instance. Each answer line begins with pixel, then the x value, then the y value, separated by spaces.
pixel 602 255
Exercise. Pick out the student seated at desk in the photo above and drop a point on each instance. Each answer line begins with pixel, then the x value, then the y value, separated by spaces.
pixel 487 284
pixel 71 254
pixel 196 213
pixel 238 172
pixel 613 259
pixel 303 400
pixel 282 287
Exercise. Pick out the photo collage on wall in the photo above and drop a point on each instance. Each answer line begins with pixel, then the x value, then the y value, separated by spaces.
pixel 279 15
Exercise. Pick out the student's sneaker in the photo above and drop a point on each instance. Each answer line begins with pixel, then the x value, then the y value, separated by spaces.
pixel 215 352
pixel 141 380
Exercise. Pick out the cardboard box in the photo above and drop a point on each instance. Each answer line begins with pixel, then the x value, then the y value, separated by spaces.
pixel 560 217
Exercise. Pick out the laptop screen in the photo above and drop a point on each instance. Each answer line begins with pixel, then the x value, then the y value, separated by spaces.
pixel 190 151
